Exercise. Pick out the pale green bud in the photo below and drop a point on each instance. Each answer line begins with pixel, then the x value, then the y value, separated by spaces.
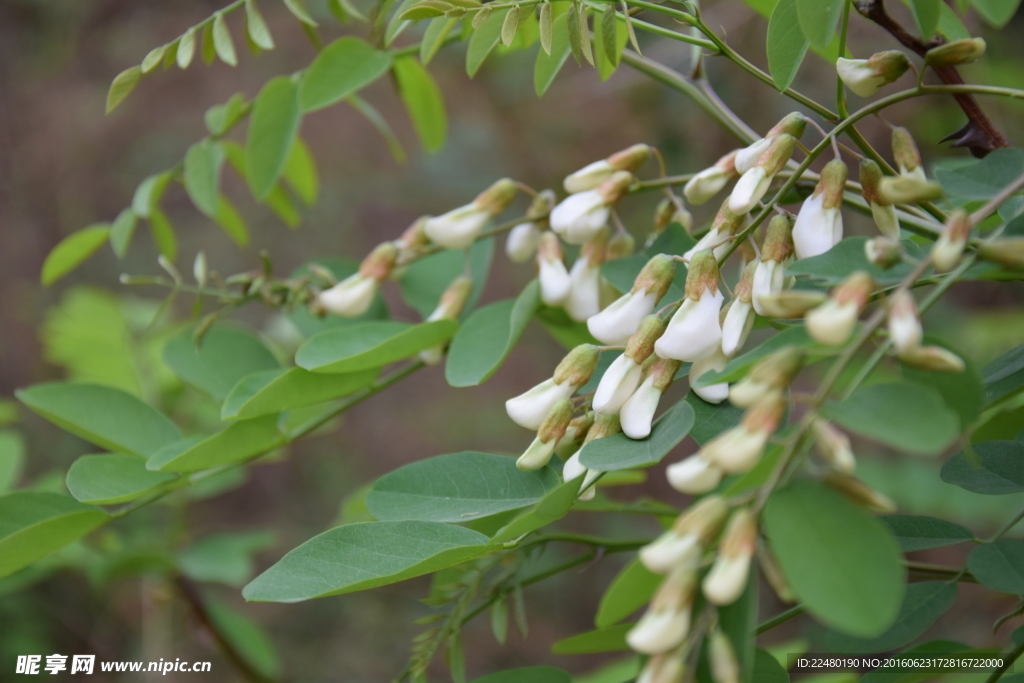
pixel 703 275
pixel 577 366
pixel 958 52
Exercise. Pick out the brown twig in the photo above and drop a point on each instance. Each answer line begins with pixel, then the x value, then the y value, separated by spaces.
pixel 979 134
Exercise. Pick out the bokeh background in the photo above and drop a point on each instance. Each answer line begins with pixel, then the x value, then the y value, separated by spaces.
pixel 65 165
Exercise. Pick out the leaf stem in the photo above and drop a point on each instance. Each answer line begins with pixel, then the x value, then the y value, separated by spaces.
pixel 777 620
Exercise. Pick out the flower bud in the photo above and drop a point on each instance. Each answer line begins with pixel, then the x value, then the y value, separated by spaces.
pixel 773 575
pixel 584 298
pixel 448 308
pixel 711 393
pixel 693 475
pixel 832 322
pixel 883 252
pixel 666 622
pixel 792 124
pixel 865 76
pixel 883 212
pixel 551 430
pixel 681 546
pixel 770 273
pixel 617 323
pixel 790 303
pixel 753 184
pixel 663 668
pixel 933 358
pixel 859 492
pixel 728 576
pixel 948 249
pixel 904 325
pixel 581 216
pixel 619 246
pixel 737 450
pixel 663 215
pixel 958 52
pixel 908 189
pixel 739 319
pixel 573 437
pixel 577 366
pixel 725 668
pixel 710 181
pixel 834 447
pixel 1007 252
pixel 460 227
pixel 531 408
pixel 695 330
pixel 555 283
pixel 819 225
pixel 349 298
pixel 723 227
pixel 592 175
pixel 415 236
pixel 637 413
pixel 905 152
pixel 574 469
pixel 522 242
pixel 770 376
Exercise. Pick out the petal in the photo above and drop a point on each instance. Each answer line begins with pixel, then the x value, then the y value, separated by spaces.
pixel 694 331
pixel 617 323
pixel 458 228
pixel 693 475
pixel 351 297
pixel 554 282
pixel 727 579
pixel 739 321
pixel 584 298
pixel 617 384
pixel 637 413
pixel 529 409
pixel 749 190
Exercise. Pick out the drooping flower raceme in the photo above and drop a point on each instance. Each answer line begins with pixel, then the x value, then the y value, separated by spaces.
pixel 739 319
pixel 865 76
pixel 637 413
pixel 728 576
pixel 833 321
pixel 776 254
pixel 460 227
pixel 667 620
pixel 710 181
pixel 882 210
pixel 551 430
pixel 754 183
pixel 617 323
pixel 695 331
pixel 554 279
pixel 819 225
pixel 449 307
pixel 352 296
pixel 584 298
pixel 622 377
pixel 681 546
pixel 531 408
pixel 592 175
pixel 579 217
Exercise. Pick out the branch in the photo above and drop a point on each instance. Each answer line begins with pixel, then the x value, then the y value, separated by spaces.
pixel 979 135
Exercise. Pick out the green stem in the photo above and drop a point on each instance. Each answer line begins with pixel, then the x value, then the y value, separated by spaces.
pixel 596 541
pixel 1006 527
pixel 779 619
pixel 1008 661
pixel 840 86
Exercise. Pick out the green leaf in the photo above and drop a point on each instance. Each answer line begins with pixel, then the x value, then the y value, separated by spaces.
pixel 12 458
pixel 425 280
pixel 222 42
pixel 121 86
pixel 355 557
pixel 567 332
pixel 186 48
pixel 611 639
pixel 619 452
pixel 999 565
pixel 231 222
pixel 551 508
pixel 510 25
pixel 847 257
pixel 529 674
pixel 207 49
pixel 767 669
pixel 272 391
pixel 990 467
pixel 225 356
pixel 996 13
pixel 397 24
pixel 162 232
pixel 923 604
pixel 342 68
pixel 950 25
pixel 152 59
pixel 961 391
pixel 926 16
pixel 906 416
pixel 424 102
pixel 239 441
pixel 548 64
pixel 818 20
pixel 201 176
pixel 273 125
pixel 613 39
pixel 108 417
pixel 631 589
pixel 71 251
pixel 148 193
pixel 546 20
pixel 247 638
pixel 1004 375
pixel 121 232
pixel 483 41
pixel 300 172
pixel 257 27
pixel 223 558
pixel 984 178
pixel 434 37
pixel 370 344
pixel 842 563
pixel 487 337
pixel 298 9
pixel 458 487
pixel 786 44
pixel 108 479
pixel 710 419
pixel 914 532
pixel 33 525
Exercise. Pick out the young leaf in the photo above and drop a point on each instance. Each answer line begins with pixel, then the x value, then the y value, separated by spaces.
pixel 298 8
pixel 487 337
pixel 546 29
pixel 153 58
pixel 341 69
pixel 631 589
pixel 423 100
pixel 71 251
pixel 12 458
pixel 110 479
pixel 273 391
pixel 611 639
pixel 499 620
pixel 926 16
pixel 121 232
pixel 786 44
pixel 434 37
pixel 483 40
pixel 355 557
pixel 186 48
pixel 239 441
pixel 610 35
pixel 272 130
pixel 37 524
pixel 226 355
pixel 923 533
pixel 584 29
pixel 208 47
pixel 256 27
pixel 148 193
pixel 201 175
pixel 222 42
pixel 382 126
pixel 999 566
pixel 510 25
pixel 370 344
pixel 923 604
pixel 618 452
pixel 231 222
pixel 818 20
pixel 843 564
pixel 162 232
pixel 300 172
pixel 991 467
pixel 847 257
pixel 574 31
pixel 121 86
pixel 767 669
pixel 549 63
pixel 108 417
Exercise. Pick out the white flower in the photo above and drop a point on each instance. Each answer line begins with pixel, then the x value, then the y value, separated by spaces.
pixel 555 283
pixel 617 384
pixel 588 177
pixel 769 278
pixel 693 475
pixel 637 413
pixel 659 630
pixel 724 666
pixel 748 392
pixel 706 184
pixel 817 229
pixel 537 455
pixel 584 298
pixel 458 228
pixel 724 584
pixel 522 242
pixel 736 450
pixel 904 326
pixel 672 551
pixel 580 216
pixel 749 190
pixel 573 468
pixel 351 297
pixel 529 409
pixel 859 77
pixel 712 393
pixel 694 331
pixel 747 157
pixel 739 321
pixel 834 447
pixel 832 322
pixel 617 323
pixel 664 668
